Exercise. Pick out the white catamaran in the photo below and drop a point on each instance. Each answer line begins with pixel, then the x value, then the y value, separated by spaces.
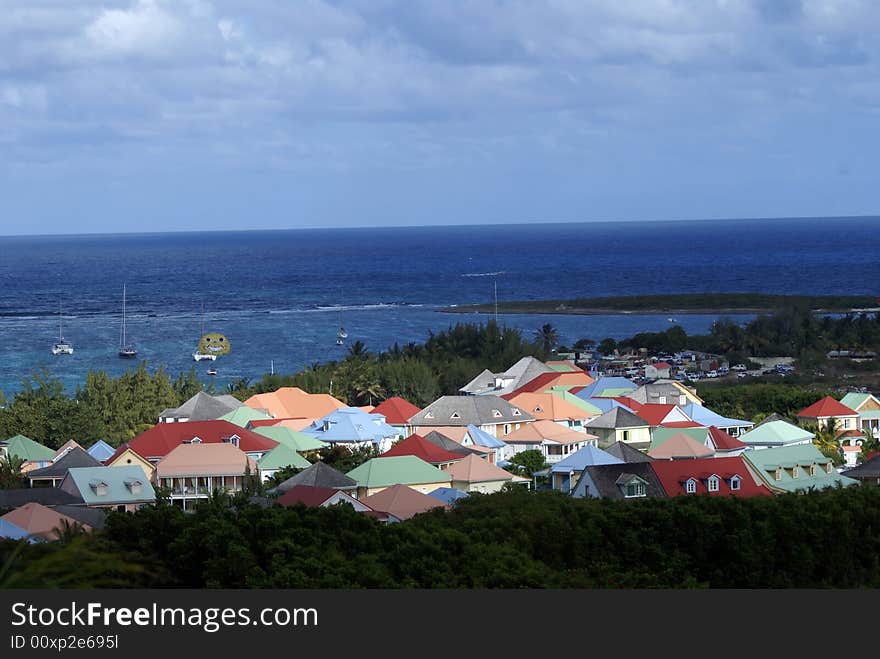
pixel 126 350
pixel 61 347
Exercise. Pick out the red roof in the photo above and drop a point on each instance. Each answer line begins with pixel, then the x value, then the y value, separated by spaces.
pixel 826 407
pixel 661 365
pixel 674 474
pixel 396 410
pixel 654 413
pixel 724 441
pixel 631 403
pixel 546 380
pixel 162 438
pixel 308 495
pixel 122 448
pixel 421 448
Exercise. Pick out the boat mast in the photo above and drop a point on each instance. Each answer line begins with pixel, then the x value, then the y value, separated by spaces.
pixel 123 315
pixel 60 325
pixel 495 282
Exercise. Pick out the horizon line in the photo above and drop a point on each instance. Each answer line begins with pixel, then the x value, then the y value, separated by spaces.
pixel 427 226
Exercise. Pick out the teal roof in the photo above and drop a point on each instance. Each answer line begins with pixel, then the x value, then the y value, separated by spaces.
pixel 243 415
pixel 400 470
pixel 27 449
pixel 870 414
pixel 853 400
pixel 799 458
pixel 776 433
pixel 298 441
pixel 117 480
pixel 283 456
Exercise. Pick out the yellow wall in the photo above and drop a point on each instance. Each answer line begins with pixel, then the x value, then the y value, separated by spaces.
pixel 129 457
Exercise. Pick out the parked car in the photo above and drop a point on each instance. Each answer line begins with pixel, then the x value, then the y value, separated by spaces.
pixel 742 375
pixel 738 367
pixel 712 374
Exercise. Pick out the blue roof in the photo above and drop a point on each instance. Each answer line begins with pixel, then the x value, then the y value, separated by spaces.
pixel 482 438
pixel 588 456
pixel 606 404
pixel 351 424
pixel 604 383
pixel 448 494
pixel 11 531
pixel 101 450
pixel 706 417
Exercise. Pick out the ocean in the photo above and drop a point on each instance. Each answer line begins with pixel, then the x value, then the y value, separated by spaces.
pixel 281 296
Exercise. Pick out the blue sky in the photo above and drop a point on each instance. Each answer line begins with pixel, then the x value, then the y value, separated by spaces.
pixel 153 115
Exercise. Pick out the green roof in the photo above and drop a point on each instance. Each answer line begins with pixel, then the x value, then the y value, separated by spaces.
pixel 400 470
pixel 661 434
pixel 117 480
pixel 298 441
pixel 27 449
pixel 243 415
pixel 612 393
pixel 776 433
pixel 870 414
pixel 283 456
pixel 562 368
pixel 574 400
pixel 766 461
pixel 853 400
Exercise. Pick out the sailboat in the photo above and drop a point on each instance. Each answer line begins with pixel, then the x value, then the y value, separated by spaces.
pixel 126 350
pixel 62 347
pixel 201 356
pixel 341 335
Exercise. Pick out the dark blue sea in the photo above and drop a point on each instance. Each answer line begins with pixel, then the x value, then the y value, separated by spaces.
pixel 281 296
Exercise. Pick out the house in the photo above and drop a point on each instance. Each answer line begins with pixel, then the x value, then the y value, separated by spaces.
pixel 659 414
pixel 293 402
pixel 295 439
pixel 627 453
pixel 827 410
pixel 397 413
pixel 606 387
pixel 665 392
pixel 449 495
pixel 155 443
pixel 125 456
pixel 553 407
pixel 497 384
pixel 472 474
pixel 403 502
pixel 679 446
pixel 280 457
pixel 564 475
pixel 313 496
pixel 657 370
pixel 194 471
pixel 868 408
pixel 620 425
pixel 850 442
pixel 39 521
pixel 713 438
pixel 421 448
pixel 795 468
pixel 352 427
pixel 729 476
pixel 379 473
pixel 201 407
pixel 553 440
pixel 706 417
pixel 446 442
pixel 52 475
pixel 491 414
pixel 34 454
pixel 66 447
pixel 625 481
pixel 775 431
pixel 101 450
pixel 122 488
pixel 557 380
pixel 244 415
pixel 319 475
pixel 867 473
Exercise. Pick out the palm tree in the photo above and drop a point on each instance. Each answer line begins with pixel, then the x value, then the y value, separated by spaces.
pixel 10 472
pixel 547 337
pixel 357 349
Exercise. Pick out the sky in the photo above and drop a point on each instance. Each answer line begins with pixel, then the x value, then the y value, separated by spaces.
pixel 161 115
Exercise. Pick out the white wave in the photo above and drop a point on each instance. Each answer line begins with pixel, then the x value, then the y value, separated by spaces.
pixel 484 274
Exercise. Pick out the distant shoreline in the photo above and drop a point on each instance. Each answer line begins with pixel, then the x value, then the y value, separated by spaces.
pixel 672 305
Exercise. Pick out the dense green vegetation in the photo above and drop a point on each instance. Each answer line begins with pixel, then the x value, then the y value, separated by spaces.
pixel 682 302
pixel 755 401
pixel 507 540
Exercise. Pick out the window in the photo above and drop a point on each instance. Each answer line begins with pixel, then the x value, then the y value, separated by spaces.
pixel 506 428
pixel 794 472
pixel 496 414
pixel 194 440
pixel 634 489
pixel 778 474
pixel 662 400
pixel 538 409
pixel 713 483
pixel 516 412
pixel 828 467
pixel 812 470
pixel 682 400
pixel 455 415
pixel 735 483
pixel 690 486
pixel 624 437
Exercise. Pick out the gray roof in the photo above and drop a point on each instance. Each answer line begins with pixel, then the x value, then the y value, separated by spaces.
pixel 869 469
pixel 94 517
pixel 652 392
pixel 47 496
pixel 319 475
pixel 75 457
pixel 776 416
pixel 469 410
pixel 444 442
pixel 627 453
pixel 524 371
pixel 617 417
pixel 609 484
pixel 203 407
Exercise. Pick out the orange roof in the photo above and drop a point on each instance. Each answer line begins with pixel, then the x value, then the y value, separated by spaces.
pixel 288 402
pixel 546 430
pixel 547 380
pixel 549 406
pixel 827 407
pixel 403 502
pixel 36 519
pixel 473 469
pixel 680 446
pixel 204 460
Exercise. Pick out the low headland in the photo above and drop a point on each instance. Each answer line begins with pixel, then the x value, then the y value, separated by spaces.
pixel 679 303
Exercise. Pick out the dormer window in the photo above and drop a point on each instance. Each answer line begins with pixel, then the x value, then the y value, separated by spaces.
pixel 778 474
pixel 538 409
pixel 634 488
pixel 231 440
pixel 134 485
pixel 812 470
pixel 496 414
pixel 690 486
pixel 662 400
pixel 735 483
pixel 828 468
pixel 455 415
pixel 794 472
pixel 713 483
pixel 194 440
pixel 429 415
pixel 516 412
pixel 682 400
pixel 100 488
